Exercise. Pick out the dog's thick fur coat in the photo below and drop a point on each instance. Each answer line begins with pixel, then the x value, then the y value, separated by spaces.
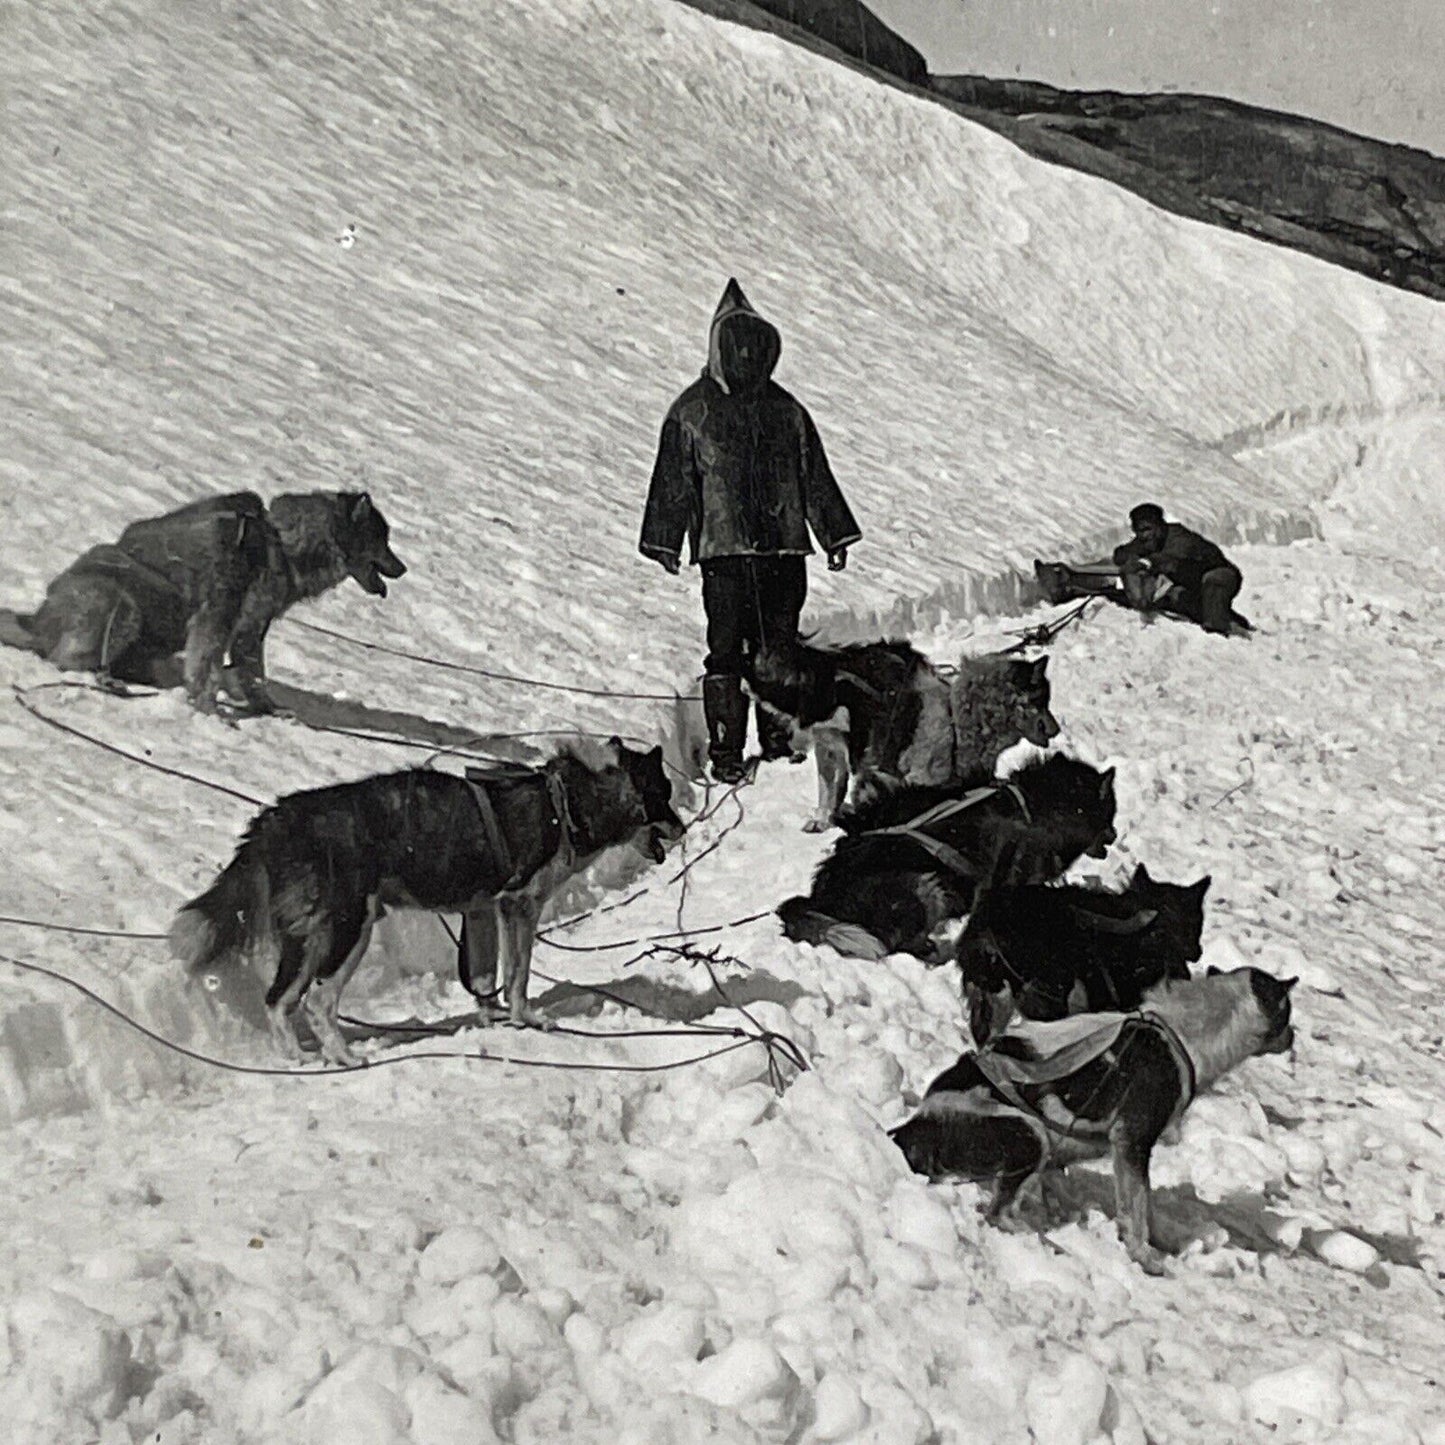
pixel 206 581
pixel 882 710
pixel 315 871
pixel 1010 1111
pixel 914 857
pixel 1046 952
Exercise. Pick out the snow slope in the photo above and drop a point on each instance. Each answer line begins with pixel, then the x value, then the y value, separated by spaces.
pixel 1001 358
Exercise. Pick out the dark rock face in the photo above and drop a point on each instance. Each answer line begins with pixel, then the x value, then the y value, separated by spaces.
pixel 844 25
pixel 855 30
pixel 1361 203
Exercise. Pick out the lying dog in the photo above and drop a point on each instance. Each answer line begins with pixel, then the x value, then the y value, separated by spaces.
pixel 913 858
pixel 315 872
pixel 1053 1094
pixel 1046 952
pixel 881 709
pixel 207 580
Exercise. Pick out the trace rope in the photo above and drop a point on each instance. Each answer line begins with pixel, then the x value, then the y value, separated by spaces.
pixel 479 1055
pixel 493 676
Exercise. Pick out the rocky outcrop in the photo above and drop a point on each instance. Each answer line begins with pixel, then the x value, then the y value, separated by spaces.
pixel 1348 199
pixel 1361 203
pixel 840 25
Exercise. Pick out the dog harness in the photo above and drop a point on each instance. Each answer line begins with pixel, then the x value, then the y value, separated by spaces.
pixel 477 780
pixel 950 857
pixel 1056 1050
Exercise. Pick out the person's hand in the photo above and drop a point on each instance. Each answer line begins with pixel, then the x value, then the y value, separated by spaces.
pixel 672 565
pixel 837 559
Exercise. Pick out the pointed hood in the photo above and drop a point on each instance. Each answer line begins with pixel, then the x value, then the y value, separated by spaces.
pixel 742 348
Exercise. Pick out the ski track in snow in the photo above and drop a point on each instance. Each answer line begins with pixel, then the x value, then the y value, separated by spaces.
pixel 1001 357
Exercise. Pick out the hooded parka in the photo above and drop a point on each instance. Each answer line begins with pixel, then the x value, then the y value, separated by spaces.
pixel 740 468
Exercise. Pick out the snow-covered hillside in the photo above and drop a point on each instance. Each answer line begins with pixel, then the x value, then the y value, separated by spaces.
pixel 546 201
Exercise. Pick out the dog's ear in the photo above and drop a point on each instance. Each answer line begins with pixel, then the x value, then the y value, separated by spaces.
pixel 1288 983
pixel 1141 875
pixel 1211 971
pixel 1106 783
pixel 1202 887
pixel 1041 669
pixel 655 755
pixel 361 506
pixel 616 744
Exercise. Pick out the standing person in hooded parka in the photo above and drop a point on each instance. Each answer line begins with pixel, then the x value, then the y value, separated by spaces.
pixel 741 473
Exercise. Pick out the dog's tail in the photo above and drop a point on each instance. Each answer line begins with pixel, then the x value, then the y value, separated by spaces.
pixel 15 629
pixel 804 924
pixel 214 931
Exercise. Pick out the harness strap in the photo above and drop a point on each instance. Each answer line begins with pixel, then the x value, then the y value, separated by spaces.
pixel 1183 1060
pixel 860 683
pixel 477 780
pixel 114 559
pixel 949 856
pixel 562 814
pixel 1005 1074
pixel 492 827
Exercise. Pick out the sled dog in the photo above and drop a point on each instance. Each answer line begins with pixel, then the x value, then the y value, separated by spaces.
pixel 205 581
pixel 315 871
pixel 882 709
pixel 1046 1095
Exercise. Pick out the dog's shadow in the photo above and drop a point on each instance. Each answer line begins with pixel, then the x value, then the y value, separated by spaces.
pixel 1247 1221
pixel 323 712
pixel 670 1002
pixel 652 998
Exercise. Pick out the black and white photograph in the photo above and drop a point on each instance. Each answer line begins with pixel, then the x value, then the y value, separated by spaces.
pixel 721 722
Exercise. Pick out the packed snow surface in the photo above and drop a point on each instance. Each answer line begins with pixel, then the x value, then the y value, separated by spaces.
pixel 464 257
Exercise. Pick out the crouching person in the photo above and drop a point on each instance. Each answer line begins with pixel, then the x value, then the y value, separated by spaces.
pixel 741 473
pixel 1164 567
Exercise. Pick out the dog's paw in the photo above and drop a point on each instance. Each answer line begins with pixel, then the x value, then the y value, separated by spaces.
pixel 817 825
pixel 528 1017
pixel 1152 1261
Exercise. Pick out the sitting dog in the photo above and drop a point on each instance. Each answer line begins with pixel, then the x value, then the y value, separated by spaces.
pixel 315 871
pixel 1055 1093
pixel 1046 952
pixel 881 709
pixel 206 580
pixel 913 858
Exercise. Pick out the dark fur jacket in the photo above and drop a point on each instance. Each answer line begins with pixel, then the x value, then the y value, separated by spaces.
pixel 1184 558
pixel 740 467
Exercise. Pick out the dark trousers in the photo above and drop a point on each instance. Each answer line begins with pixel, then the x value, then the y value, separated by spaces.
pixel 1208 603
pixel 750 602
pixel 1217 589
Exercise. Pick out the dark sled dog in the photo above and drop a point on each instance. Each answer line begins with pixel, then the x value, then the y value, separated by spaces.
pixel 881 709
pixel 316 870
pixel 1046 952
pixel 913 858
pixel 1054 1094
pixel 207 581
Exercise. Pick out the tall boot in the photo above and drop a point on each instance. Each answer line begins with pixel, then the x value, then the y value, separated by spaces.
pixel 726 710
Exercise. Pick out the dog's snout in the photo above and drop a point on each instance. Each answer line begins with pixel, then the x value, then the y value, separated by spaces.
pixel 391 565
